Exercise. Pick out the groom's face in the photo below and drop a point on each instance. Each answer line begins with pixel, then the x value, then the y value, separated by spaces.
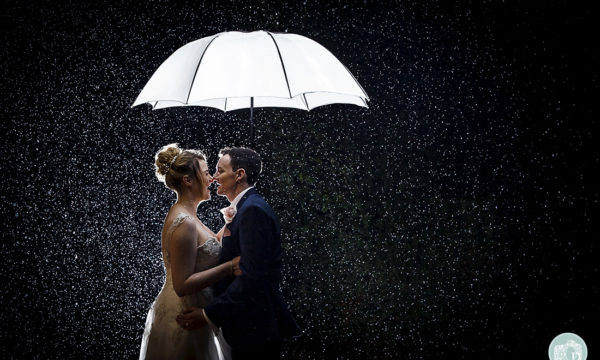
pixel 225 177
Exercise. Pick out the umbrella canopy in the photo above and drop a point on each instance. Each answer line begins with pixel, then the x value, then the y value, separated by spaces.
pixel 236 70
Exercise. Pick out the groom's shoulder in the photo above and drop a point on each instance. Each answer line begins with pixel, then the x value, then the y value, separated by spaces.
pixel 258 201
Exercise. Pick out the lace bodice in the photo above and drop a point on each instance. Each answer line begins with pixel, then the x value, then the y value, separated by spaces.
pixel 207 254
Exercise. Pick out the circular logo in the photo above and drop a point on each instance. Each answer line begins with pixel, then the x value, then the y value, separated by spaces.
pixel 567 346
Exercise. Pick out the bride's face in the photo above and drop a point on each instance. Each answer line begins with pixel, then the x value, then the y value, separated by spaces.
pixel 206 180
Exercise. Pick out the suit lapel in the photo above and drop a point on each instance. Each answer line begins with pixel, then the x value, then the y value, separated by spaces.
pixel 239 206
pixel 243 199
pixel 232 241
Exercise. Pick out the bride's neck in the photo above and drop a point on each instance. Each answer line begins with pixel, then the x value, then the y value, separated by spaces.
pixel 187 203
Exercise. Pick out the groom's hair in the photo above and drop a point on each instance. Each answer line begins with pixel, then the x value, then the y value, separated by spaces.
pixel 244 158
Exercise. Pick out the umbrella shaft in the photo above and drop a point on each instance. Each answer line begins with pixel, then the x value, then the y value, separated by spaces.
pixel 251 122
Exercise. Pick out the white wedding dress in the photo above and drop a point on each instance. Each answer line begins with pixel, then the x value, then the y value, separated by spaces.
pixel 163 338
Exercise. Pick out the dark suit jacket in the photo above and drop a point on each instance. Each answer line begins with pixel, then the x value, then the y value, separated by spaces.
pixel 249 308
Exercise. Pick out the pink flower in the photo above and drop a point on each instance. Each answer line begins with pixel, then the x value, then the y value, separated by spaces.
pixel 228 213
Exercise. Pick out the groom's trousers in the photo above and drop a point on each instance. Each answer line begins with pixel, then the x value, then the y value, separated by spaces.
pixel 271 351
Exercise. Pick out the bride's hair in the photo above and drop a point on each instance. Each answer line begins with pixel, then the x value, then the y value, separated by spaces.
pixel 173 163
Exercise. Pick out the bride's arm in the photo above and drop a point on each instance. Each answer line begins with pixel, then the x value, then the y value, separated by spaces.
pixel 182 250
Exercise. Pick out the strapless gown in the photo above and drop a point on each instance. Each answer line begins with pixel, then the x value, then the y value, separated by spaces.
pixel 163 338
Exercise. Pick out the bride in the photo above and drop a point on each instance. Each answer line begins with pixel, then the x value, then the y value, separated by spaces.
pixel 190 253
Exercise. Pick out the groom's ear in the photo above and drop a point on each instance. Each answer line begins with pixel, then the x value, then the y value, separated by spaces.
pixel 240 175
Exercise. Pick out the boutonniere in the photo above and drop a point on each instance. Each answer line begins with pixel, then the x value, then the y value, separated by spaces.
pixel 228 213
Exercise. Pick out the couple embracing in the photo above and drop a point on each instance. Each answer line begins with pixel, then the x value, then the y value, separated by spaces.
pixel 221 297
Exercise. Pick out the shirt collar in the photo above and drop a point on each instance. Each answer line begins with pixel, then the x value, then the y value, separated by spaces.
pixel 239 197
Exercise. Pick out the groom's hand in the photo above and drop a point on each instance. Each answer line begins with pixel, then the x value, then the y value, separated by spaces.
pixel 191 319
pixel 235 266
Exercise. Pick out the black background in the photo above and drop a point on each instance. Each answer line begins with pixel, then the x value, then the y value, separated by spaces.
pixel 454 217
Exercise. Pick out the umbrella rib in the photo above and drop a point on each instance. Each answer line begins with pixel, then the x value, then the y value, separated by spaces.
pixel 356 81
pixel 198 67
pixel 305 101
pixel 282 65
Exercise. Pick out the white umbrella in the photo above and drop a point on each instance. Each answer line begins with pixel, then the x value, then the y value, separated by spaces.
pixel 236 70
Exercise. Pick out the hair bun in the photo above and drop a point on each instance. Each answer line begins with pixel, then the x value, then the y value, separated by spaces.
pixel 164 159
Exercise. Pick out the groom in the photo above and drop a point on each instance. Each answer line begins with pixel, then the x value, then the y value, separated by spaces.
pixel 249 308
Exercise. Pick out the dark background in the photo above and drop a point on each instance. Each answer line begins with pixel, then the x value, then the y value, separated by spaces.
pixel 453 218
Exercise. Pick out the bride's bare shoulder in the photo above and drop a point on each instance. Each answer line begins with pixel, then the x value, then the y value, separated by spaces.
pixel 173 220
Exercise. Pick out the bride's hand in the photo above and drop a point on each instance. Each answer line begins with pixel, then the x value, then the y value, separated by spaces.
pixel 235 265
